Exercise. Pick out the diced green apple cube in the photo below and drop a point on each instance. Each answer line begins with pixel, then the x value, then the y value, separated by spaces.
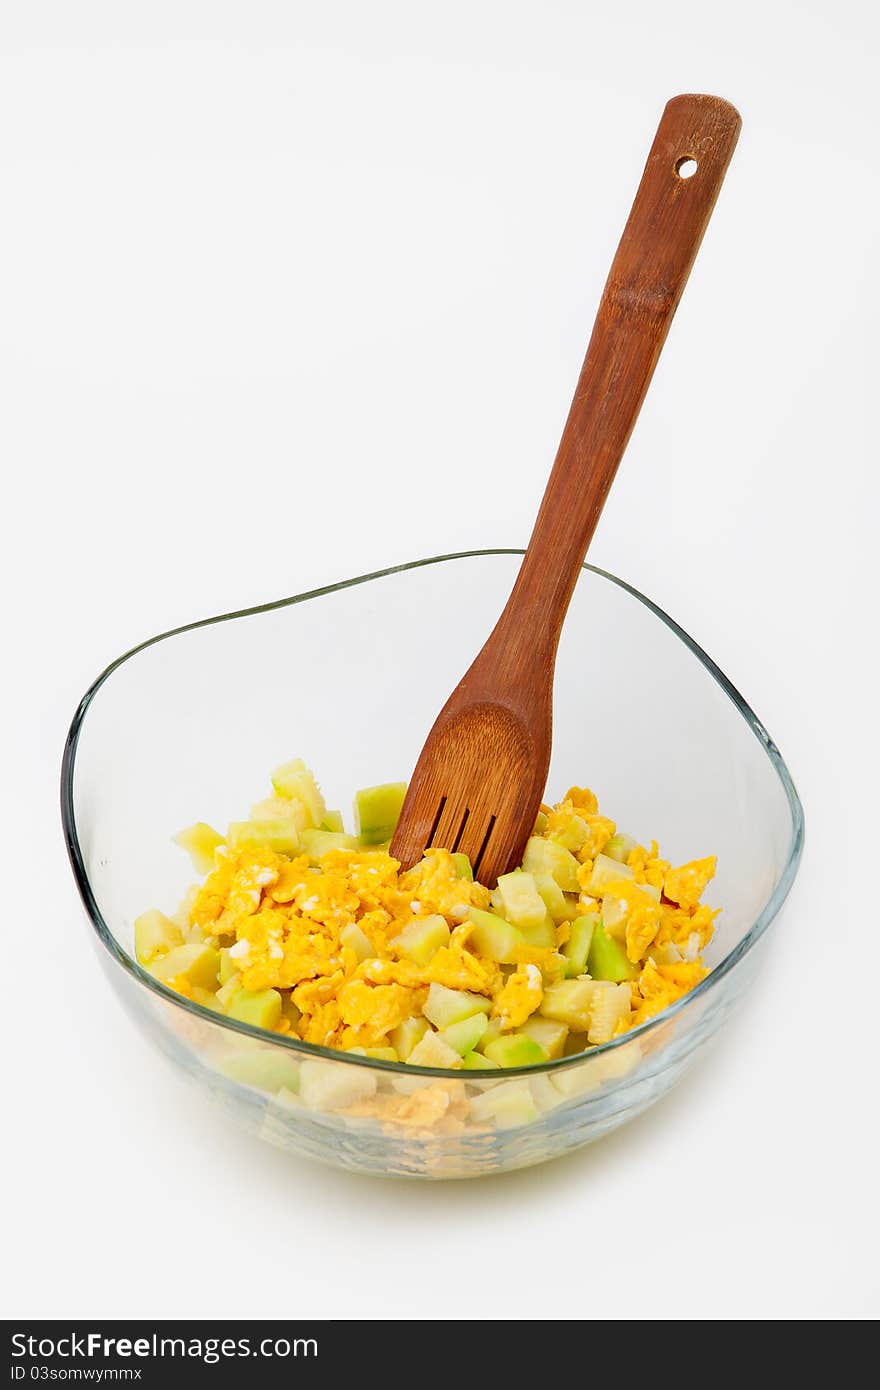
pixel 577 948
pixel 494 937
pixel 569 1003
pixel 433 1051
pixel 377 811
pixel 421 938
pixel 443 1006
pixel 404 1037
pixel 280 836
pixel 547 857
pixel 154 933
pixel 464 1035
pixel 548 1033
pixel 200 841
pixel 515 1050
pixel 523 905
pixel 196 963
pixel 260 1008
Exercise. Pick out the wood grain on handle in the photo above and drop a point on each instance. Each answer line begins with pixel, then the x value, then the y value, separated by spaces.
pixel 649 273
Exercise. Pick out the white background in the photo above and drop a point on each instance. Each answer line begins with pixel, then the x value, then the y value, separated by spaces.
pixel 292 291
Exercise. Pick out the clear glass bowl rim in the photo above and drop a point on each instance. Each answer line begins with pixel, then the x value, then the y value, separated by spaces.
pixel 712 980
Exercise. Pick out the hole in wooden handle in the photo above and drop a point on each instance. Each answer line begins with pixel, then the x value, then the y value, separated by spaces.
pixel 686 167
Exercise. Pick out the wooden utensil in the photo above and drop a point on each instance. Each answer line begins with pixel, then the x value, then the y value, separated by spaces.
pixel 478 783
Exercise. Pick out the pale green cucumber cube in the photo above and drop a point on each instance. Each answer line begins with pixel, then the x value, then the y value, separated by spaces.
pixel 572 834
pixel 227 992
pixel 608 959
pixel 464 1036
pixel 384 1054
pixel 260 1008
pixel 493 1031
pixel 515 1050
pixel 569 1002
pixel 609 1005
pixel 314 843
pixel 547 857
pixel 421 938
pixel 154 934
pixel 433 1051
pixel 294 781
pixel 200 841
pixel 353 937
pixel 228 967
pixel 494 937
pixel 620 847
pixel 196 963
pixel 475 1061
pixel 444 1007
pixel 605 872
pixel 545 1093
pixel 377 811
pixel 333 821
pixel 335 1086
pixel 264 1070
pixel 280 836
pixel 577 948
pixel 576 1081
pixel 509 1105
pixel 548 1033
pixel 553 898
pixel 543 935
pixel 463 867
pixel 522 904
pixel 404 1037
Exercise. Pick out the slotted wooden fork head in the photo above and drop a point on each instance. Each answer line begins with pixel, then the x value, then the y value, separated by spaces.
pixel 476 788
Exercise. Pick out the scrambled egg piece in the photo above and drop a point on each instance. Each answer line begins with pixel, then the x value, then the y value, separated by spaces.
pixel 519 997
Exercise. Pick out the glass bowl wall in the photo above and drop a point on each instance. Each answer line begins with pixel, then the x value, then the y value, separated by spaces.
pixel 189 725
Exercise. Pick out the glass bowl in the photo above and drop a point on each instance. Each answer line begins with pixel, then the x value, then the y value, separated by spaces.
pixel 188 725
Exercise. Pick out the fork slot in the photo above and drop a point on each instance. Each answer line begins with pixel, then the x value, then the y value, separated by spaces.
pixel 457 840
pixel 486 838
pixel 437 819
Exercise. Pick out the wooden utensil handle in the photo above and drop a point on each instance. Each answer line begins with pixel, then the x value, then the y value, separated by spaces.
pixel 650 270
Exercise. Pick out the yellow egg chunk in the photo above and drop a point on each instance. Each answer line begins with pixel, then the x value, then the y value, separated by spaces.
pixel 300 929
